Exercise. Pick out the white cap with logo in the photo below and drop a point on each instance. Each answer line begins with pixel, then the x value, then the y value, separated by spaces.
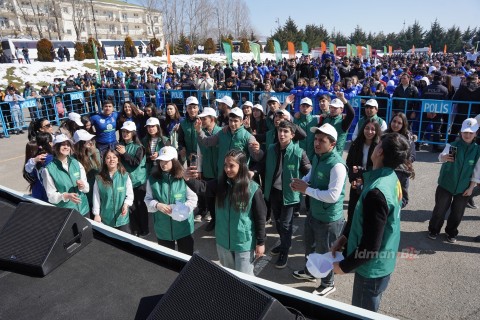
pixel 191 100
pixel 336 103
pixel 76 118
pixel 469 125
pixel 129 126
pixel 167 154
pixel 227 100
pixel 207 111
pixel 59 138
pixel 152 122
pixel 248 103
pixel 82 135
pixel 237 111
pixel 327 128
pixel 306 101
pixel 285 113
pixel 372 102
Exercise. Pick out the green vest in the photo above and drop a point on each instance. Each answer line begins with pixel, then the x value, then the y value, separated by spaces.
pixel 67 182
pixel 235 231
pixel 290 169
pixel 168 190
pixel 336 122
pixel 112 198
pixel 383 262
pixel 210 156
pixel 228 141
pixel 306 122
pixel 361 121
pixel 270 136
pixel 160 145
pixel 320 179
pixel 190 135
pixel 455 176
pixel 138 174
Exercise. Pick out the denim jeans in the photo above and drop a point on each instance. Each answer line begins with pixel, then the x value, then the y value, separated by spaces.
pixel 237 260
pixel 367 292
pixel 17 117
pixel 319 237
pixel 283 216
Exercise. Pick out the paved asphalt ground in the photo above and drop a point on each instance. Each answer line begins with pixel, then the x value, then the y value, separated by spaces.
pixel 438 281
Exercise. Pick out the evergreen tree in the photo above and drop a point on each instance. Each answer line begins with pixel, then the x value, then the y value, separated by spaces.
pixel 128 45
pixel 269 47
pixel 244 46
pixel 314 35
pixel 44 46
pixel 209 46
pixel 358 36
pixel 79 54
pixel 183 45
pixel 88 49
pixel 435 37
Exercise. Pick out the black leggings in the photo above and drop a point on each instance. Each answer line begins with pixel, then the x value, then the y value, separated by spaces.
pixel 185 244
pixel 138 212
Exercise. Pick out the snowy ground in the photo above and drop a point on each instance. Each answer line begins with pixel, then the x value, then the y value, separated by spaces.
pixel 39 73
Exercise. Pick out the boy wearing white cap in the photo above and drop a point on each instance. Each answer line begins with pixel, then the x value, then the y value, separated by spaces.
pixel 325 185
pixel 187 136
pixel 456 181
pixel 224 105
pixel 371 110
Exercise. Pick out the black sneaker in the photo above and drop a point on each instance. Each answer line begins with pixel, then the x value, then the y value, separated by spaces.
pixel 296 214
pixel 432 235
pixel 471 204
pixel 281 261
pixel 324 291
pixel 451 239
pixel 302 275
pixel 275 251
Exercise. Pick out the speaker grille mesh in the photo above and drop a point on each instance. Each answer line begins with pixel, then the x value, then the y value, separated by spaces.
pixel 204 290
pixel 30 233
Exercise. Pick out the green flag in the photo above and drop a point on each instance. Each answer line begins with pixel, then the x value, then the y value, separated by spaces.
pixel 278 51
pixel 227 47
pixel 331 47
pixel 349 50
pixel 305 48
pixel 368 51
pixel 96 61
pixel 354 50
pixel 255 49
pixel 384 50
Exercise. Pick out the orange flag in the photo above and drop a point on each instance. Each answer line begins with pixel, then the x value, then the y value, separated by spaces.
pixel 169 62
pixel 335 49
pixel 291 50
pixel 359 51
pixel 445 49
pixel 390 51
pixel 323 46
pixel 430 50
pixel 413 49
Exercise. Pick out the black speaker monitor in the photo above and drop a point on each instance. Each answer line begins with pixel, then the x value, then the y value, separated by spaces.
pixel 37 239
pixel 204 290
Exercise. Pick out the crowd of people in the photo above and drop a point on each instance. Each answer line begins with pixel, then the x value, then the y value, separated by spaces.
pixel 241 164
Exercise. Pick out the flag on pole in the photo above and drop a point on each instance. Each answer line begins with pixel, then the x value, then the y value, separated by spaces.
pixel 278 51
pixel 384 49
pixel 331 47
pixel 291 50
pixel 359 51
pixel 445 49
pixel 305 48
pixel 228 51
pixel 390 50
pixel 323 47
pixel 95 55
pixel 255 49
pixel 354 50
pixel 169 62
pixel 349 50
pixel 367 52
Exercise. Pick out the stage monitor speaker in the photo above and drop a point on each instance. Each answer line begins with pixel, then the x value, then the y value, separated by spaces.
pixel 204 290
pixel 37 238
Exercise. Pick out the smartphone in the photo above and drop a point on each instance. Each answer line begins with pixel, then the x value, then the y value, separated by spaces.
pixel 193 160
pixel 453 152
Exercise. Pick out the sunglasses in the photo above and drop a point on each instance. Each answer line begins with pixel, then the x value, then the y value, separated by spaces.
pixel 48 125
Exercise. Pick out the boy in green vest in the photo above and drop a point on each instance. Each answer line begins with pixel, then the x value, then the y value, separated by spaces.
pixel 207 159
pixel 374 237
pixel 371 110
pixel 187 136
pixel 325 185
pixel 455 183
pixel 286 160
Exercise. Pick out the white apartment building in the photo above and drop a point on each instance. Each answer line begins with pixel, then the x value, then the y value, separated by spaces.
pixel 103 19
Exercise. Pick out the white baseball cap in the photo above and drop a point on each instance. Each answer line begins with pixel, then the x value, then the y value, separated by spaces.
pixel 129 126
pixel 273 99
pixel 285 113
pixel 336 103
pixel 167 154
pixel 427 81
pixel 227 100
pixel 247 103
pixel 469 125
pixel 152 122
pixel 327 129
pixel 258 107
pixel 207 111
pixel 75 117
pixel 306 101
pixel 372 102
pixel 59 138
pixel 82 135
pixel 191 100
pixel 237 111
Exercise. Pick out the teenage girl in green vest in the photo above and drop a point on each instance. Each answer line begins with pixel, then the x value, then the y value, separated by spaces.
pixel 113 193
pixel 240 212
pixel 132 156
pixel 153 142
pixel 64 178
pixel 166 187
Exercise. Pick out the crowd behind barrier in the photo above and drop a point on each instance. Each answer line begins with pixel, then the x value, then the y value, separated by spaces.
pixel 56 107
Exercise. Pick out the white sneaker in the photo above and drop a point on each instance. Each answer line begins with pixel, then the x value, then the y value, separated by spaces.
pixel 198 218
pixel 323 291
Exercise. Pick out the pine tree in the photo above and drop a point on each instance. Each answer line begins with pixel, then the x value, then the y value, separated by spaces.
pixel 244 46
pixel 88 49
pixel 44 46
pixel 128 45
pixel 209 46
pixel 183 45
pixel 79 54
pixel 269 47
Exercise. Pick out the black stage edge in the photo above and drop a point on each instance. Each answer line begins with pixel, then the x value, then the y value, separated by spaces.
pixel 112 278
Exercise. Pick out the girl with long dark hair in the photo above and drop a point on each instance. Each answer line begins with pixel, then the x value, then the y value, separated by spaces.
pixel 153 142
pixel 37 126
pixel 132 156
pixel 130 112
pixel 240 212
pixel 172 123
pixel 166 187
pixel 113 193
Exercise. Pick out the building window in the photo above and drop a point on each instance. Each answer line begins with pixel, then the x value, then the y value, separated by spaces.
pixel 112 28
pixel 125 29
pixel 135 14
pixel 124 16
pixel 157 30
pixel 69 31
pixel 65 9
pixel 155 19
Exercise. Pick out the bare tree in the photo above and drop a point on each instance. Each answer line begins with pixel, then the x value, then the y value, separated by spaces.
pixel 54 12
pixel 31 16
pixel 150 6
pixel 78 16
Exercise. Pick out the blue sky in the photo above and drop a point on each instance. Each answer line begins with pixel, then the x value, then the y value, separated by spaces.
pixel 375 16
